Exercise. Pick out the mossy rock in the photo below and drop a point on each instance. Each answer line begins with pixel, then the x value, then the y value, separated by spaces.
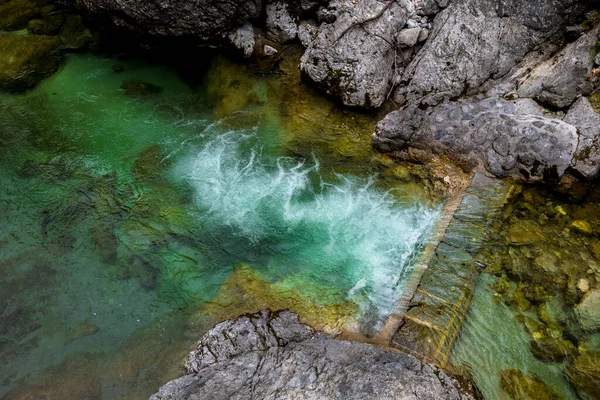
pixel 74 34
pixel 584 375
pixel 48 26
pixel 26 59
pixel 521 386
pixel 551 350
pixel 15 14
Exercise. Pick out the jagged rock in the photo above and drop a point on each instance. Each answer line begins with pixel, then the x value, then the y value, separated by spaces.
pixel 25 59
pixel 353 57
pixel 584 374
pixel 272 355
pixel 280 22
pixel 408 37
pixel 243 39
pixel 206 20
pixel 588 311
pixel 306 32
pixel 559 80
pixel 490 131
pixel 587 121
pixel 475 41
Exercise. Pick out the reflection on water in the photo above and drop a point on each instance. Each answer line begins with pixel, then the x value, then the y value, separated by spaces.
pixel 137 212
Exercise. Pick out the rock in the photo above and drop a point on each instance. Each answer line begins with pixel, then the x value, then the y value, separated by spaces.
pixel 272 355
pixel 243 39
pixel 588 310
pixel 582 226
pixel 584 375
pixel 559 80
pixel 525 387
pixel 583 285
pixel 551 349
pixel 48 26
pixel 352 58
pixel 408 37
pixel 587 121
pixel 136 88
pixel 492 132
pixel 26 59
pixel 597 59
pixel 269 51
pixel 476 43
pixel 280 22
pixel 74 34
pixel 15 14
pixel 423 35
pixel 306 32
pixel 206 20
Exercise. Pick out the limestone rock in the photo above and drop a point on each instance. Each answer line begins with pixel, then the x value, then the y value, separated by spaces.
pixel 243 39
pixel 272 355
pixel 587 121
pixel 588 311
pixel 476 41
pixel 559 80
pixel 490 131
pixel 353 57
pixel 280 22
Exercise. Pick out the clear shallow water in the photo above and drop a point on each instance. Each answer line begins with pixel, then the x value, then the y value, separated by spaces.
pixel 133 222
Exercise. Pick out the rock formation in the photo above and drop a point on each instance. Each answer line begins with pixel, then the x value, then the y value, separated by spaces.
pixel 272 355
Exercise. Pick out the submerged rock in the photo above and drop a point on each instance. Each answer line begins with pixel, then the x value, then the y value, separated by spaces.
pixel 521 386
pixel 272 355
pixel 584 375
pixel 136 88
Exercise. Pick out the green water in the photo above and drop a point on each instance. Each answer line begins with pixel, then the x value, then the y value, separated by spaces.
pixel 126 216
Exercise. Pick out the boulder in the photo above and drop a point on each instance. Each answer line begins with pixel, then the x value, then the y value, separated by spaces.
pixel 475 42
pixel 353 57
pixel 561 79
pixel 584 375
pixel 587 121
pixel 272 355
pixel 26 59
pixel 521 386
pixel 243 39
pixel 280 22
pixel 588 311
pixel 492 132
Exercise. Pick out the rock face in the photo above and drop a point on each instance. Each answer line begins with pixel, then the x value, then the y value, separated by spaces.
pixel 272 355
pixel 353 57
pixel 561 79
pixel 204 19
pixel 504 136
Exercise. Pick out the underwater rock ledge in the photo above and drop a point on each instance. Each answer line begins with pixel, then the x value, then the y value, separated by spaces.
pixel 272 355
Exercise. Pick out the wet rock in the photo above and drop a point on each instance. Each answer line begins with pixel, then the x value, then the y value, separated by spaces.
pixel 587 121
pixel 136 88
pixel 584 375
pixel 268 355
pixel 492 132
pixel 15 14
pixel 559 80
pixel 26 59
pixel 280 22
pixel 588 311
pixel 522 386
pixel 74 34
pixel 353 57
pixel 550 349
pixel 148 164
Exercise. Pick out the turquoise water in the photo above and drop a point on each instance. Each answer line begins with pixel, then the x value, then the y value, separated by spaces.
pixel 127 209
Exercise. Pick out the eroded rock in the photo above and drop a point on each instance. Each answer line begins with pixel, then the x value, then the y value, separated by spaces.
pixel 272 355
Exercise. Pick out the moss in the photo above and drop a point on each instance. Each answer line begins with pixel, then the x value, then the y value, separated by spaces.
pixel 25 59
pixel 595 100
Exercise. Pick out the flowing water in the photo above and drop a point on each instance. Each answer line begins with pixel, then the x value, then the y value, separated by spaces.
pixel 137 211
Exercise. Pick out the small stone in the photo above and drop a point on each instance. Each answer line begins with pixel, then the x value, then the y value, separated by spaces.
pixel 408 37
pixel 583 285
pixel 423 35
pixel 411 23
pixel 582 226
pixel 269 50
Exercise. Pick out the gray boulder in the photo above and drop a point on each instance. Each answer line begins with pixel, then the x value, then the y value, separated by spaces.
pixel 503 136
pixel 562 78
pixel 353 57
pixel 207 20
pixel 243 39
pixel 271 355
pixel 280 22
pixel 475 41
pixel 587 121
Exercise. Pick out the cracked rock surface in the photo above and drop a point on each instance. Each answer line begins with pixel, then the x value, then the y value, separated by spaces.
pixel 271 355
